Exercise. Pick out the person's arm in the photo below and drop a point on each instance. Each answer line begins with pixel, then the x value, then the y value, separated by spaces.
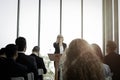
pixel 65 46
pixel 34 67
pixel 55 44
pixel 43 66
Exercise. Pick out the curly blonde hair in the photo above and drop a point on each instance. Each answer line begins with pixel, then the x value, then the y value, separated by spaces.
pixel 81 63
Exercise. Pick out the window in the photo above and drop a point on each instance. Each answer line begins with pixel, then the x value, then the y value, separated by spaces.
pixel 92 21
pixel 71 20
pixel 50 20
pixel 8 22
pixel 29 23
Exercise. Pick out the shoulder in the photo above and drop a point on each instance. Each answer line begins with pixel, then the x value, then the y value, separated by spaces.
pixel 22 67
pixel 22 58
pixel 55 43
pixel 106 66
pixel 64 44
pixel 31 57
pixel 39 58
pixel 113 56
pixel 107 71
pixel 21 55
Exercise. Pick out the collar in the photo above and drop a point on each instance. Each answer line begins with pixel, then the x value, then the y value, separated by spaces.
pixel 35 53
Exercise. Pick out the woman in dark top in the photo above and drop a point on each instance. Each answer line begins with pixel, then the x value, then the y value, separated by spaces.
pixel 59 45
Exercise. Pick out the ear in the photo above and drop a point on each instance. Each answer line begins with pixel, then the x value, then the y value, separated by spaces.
pixel 25 48
pixel 15 56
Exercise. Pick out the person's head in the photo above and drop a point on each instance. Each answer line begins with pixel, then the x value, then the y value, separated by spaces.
pixel 11 51
pixel 110 47
pixel 98 51
pixel 60 38
pixel 2 51
pixel 21 43
pixel 36 49
pixel 81 63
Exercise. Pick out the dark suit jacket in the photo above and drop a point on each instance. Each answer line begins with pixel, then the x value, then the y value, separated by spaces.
pixel 9 68
pixel 3 67
pixel 56 46
pixel 29 62
pixel 113 60
pixel 40 65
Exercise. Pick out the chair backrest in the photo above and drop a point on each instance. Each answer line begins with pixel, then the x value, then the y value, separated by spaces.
pixel 17 78
pixel 30 76
pixel 40 71
pixel 108 78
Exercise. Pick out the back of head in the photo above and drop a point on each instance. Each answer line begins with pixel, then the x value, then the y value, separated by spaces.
pixel 111 46
pixel 36 49
pixel 81 63
pixel 98 51
pixel 76 48
pixel 21 43
pixel 10 50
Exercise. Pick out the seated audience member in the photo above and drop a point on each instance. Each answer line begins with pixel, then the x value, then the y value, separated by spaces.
pixel 10 68
pixel 40 63
pixel 25 59
pixel 113 59
pixel 3 65
pixel 2 55
pixel 106 68
pixel 81 62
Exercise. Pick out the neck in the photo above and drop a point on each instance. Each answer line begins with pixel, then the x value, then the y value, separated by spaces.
pixel 35 53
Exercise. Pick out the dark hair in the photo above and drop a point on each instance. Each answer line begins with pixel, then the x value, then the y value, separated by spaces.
pixel 36 49
pixel 21 43
pixel 2 51
pixel 10 50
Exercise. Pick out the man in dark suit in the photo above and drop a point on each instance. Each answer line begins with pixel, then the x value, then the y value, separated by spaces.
pixel 25 59
pixel 40 63
pixel 3 65
pixel 113 59
pixel 9 68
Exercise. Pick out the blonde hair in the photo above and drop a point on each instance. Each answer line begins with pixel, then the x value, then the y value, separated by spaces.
pixel 98 51
pixel 81 63
pixel 60 36
pixel 112 45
